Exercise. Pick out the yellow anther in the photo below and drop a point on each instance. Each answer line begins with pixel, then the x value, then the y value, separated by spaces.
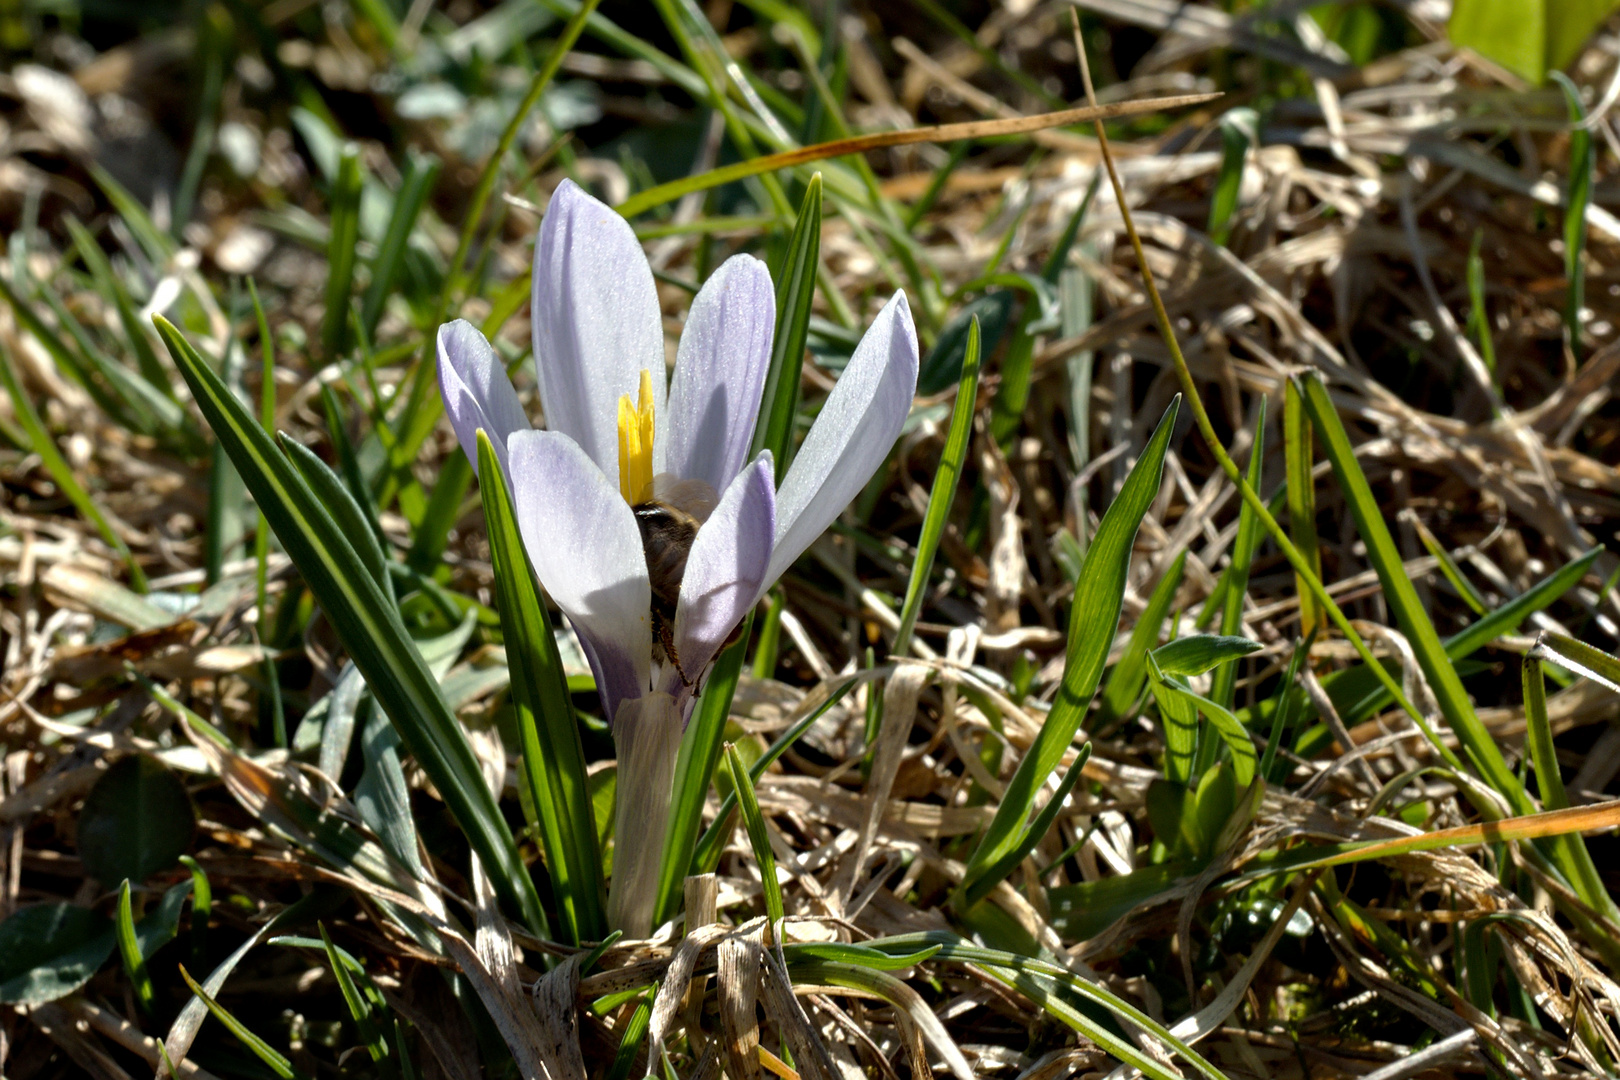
pixel 636 443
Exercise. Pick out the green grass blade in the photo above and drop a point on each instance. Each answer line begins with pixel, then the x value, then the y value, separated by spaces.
pixel 432 535
pixel 421 172
pixel 706 856
pixel 1479 312
pixel 1576 199
pixel 1243 549
pixel 1092 622
pixel 1301 486
pixel 111 287
pixel 514 126
pixel 770 636
pixel 157 244
pixel 1356 692
pixel 1038 828
pixel 1125 681
pixel 1448 567
pixel 1228 726
pixel 553 763
pixel 359 1008
pixel 61 471
pixel 369 626
pixel 202 905
pixel 635 1031
pixel 1037 979
pixel 227 498
pixel 213 40
pixel 795 291
pixel 1178 717
pixel 339 502
pixel 946 479
pixel 262 1050
pixel 340 251
pixel 936 184
pixel 1198 653
pixel 1403 600
pixel 1579 657
pixel 758 835
pixel 129 950
pixel 1237 135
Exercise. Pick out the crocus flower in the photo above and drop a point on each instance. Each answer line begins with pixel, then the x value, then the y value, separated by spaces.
pixel 621 459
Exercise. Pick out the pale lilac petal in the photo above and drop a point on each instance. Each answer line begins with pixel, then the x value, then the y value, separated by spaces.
pixel 725 570
pixel 477 393
pixel 597 324
pixel 586 549
pixel 720 370
pixel 852 436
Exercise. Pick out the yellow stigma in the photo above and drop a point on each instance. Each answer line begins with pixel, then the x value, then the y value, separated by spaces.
pixel 636 443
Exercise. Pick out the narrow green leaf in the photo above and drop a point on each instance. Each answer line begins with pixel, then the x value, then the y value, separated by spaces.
pixel 1037 979
pixel 1301 486
pixel 1038 828
pixel 860 955
pixel 770 636
pixel 1198 653
pixel 130 950
pixel 1479 312
pixel 946 478
pixel 1230 728
pixel 1579 657
pixel 341 250
pixel 369 626
pixel 1281 714
pixel 1449 568
pixel 336 499
pixel 1577 197
pixel 1403 600
pixel 1092 622
pixel 112 288
pixel 1125 681
pixel 421 171
pixel 635 1031
pixel 359 1008
pixel 262 1050
pixel 758 835
pixel 706 856
pixel 514 126
pixel 1239 131
pixel 795 291
pixel 1178 717
pixel 553 756
pixel 1237 583
pixel 61 472
pixel 202 906
pixel 1356 692
pixel 433 531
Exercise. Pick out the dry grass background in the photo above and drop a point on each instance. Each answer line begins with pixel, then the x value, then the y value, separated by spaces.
pixel 1348 254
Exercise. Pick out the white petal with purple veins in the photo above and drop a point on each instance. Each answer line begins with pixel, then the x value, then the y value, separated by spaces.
pixel 852 435
pixel 583 541
pixel 477 393
pixel 720 369
pixel 597 324
pixel 726 568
